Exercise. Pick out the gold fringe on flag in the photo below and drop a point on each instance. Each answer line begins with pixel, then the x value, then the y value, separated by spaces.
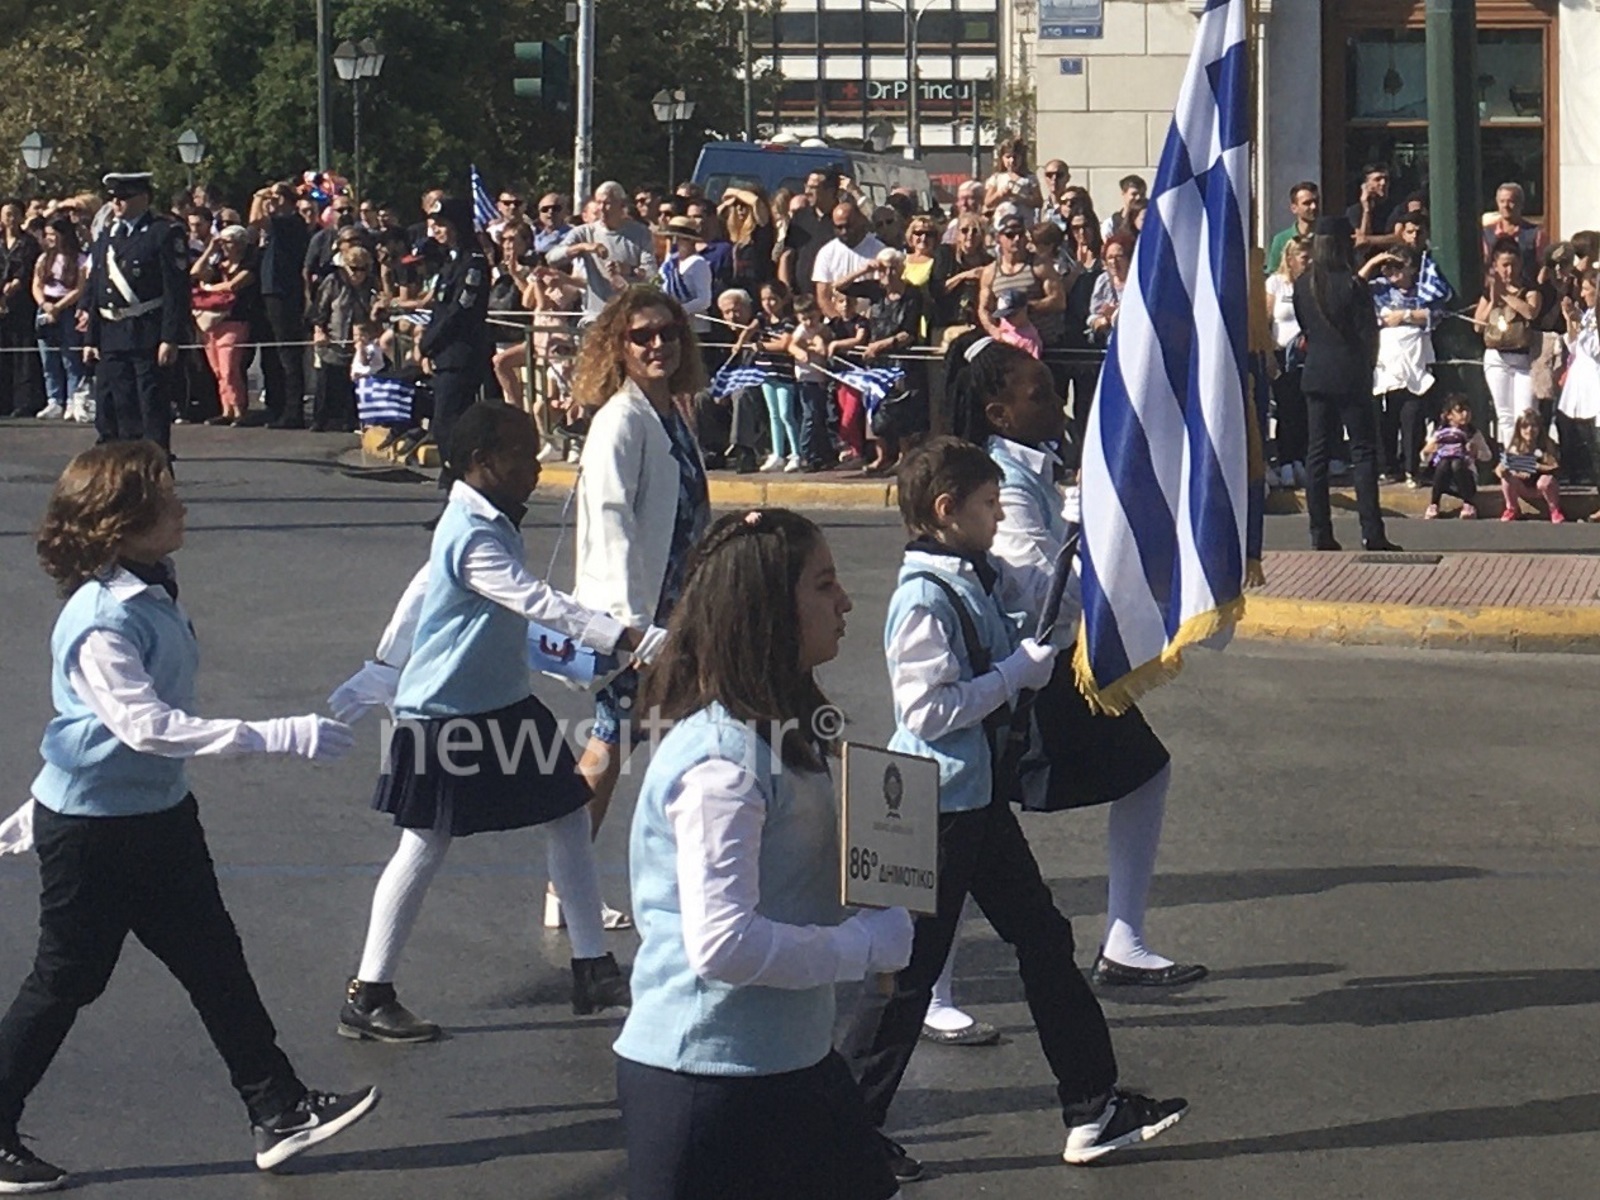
pixel 1122 694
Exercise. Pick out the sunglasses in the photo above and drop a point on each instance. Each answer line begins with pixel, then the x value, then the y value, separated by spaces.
pixel 509 200
pixel 919 233
pixel 549 208
pixel 651 334
pixel 1010 233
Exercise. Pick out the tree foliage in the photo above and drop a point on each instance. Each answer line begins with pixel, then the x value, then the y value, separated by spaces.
pixel 114 85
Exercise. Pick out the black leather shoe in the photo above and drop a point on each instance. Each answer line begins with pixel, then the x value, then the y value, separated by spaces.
pixel 598 983
pixel 1109 974
pixel 1380 545
pixel 979 1033
pixel 372 1012
pixel 1326 543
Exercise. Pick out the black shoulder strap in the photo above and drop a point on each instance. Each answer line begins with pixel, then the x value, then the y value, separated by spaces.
pixel 977 652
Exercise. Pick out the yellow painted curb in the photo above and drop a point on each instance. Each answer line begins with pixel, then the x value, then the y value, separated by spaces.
pixel 1567 630
pixel 754 491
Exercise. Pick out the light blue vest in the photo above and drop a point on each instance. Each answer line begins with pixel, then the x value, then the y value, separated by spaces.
pixel 964 757
pixel 679 1021
pixel 469 654
pixel 87 771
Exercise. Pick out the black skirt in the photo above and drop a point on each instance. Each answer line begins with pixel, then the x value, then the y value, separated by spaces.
pixel 802 1135
pixel 506 769
pixel 1093 758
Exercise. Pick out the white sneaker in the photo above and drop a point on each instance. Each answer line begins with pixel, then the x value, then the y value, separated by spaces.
pixel 1128 1119
pixel 772 462
pixel 86 409
pixel 51 412
pixel 550 453
pixel 610 918
pixel 573 453
pixel 792 466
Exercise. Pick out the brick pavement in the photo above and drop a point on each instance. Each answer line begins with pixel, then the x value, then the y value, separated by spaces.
pixel 1436 580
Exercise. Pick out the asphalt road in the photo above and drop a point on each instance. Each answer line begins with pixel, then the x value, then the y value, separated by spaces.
pixel 1388 859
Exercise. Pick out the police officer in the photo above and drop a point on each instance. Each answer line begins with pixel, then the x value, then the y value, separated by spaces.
pixel 455 345
pixel 136 303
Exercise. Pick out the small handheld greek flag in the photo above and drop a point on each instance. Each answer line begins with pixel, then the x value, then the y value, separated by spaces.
pixel 381 400
pixel 565 658
pixel 875 384
pixel 483 208
pixel 730 379
pixel 1165 464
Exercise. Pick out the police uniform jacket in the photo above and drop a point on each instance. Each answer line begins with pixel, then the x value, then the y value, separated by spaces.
pixel 137 295
pixel 457 337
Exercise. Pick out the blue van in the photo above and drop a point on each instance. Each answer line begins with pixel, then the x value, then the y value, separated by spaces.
pixel 774 165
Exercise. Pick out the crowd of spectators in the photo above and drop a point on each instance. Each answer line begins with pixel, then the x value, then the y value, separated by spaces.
pixel 1533 319
pixel 818 313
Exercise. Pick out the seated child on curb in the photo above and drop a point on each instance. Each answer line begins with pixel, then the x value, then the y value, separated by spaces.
pixel 956 665
pixel 1527 470
pixel 1454 452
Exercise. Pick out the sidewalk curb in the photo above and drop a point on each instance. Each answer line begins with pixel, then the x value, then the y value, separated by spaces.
pixel 1522 630
pixel 1400 501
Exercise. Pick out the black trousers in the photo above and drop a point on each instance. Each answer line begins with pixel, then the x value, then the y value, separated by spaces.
pixel 334 403
pixel 21 372
pixel 1290 433
pixel 102 878
pixel 1356 412
pixel 1456 477
pixel 283 368
pixel 134 397
pixel 802 1135
pixel 1405 416
pixel 454 391
pixel 201 400
pixel 985 855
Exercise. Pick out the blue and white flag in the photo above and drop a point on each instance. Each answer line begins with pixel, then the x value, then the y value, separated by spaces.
pixel 875 384
pixel 730 379
pixel 484 211
pixel 383 400
pixel 1165 464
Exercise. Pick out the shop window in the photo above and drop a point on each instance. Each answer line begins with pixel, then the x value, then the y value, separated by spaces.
pixel 1386 110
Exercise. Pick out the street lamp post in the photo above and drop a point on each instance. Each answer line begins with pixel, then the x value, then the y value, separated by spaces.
pixel 37 151
pixel 913 16
pixel 356 61
pixel 672 108
pixel 191 151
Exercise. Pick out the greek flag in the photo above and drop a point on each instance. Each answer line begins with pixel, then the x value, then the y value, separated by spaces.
pixel 483 207
pixel 381 400
pixel 875 384
pixel 1165 465
pixel 730 379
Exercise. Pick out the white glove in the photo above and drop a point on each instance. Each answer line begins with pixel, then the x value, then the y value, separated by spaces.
pixel 376 683
pixel 1028 667
pixel 16 831
pixel 650 645
pixel 890 931
pixel 319 739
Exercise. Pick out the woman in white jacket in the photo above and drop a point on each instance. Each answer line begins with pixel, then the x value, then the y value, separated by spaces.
pixel 1580 396
pixel 642 497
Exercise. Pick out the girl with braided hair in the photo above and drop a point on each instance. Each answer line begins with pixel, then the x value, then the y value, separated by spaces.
pixel 1005 401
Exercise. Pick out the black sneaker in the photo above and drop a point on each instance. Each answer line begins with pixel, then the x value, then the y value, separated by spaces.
pixel 24 1173
pixel 1127 1120
pixel 904 1168
pixel 316 1118
pixel 598 983
pixel 373 1012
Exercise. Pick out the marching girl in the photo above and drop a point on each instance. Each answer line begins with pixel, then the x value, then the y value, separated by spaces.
pixel 1006 402
pixel 459 762
pixel 727 1078
pixel 115 826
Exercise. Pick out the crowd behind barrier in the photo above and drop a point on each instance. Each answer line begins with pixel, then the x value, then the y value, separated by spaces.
pixel 815 311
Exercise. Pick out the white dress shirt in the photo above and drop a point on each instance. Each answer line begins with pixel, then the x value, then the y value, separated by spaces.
pixel 717 812
pixel 489 571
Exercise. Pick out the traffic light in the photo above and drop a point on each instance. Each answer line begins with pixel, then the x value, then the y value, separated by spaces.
pixel 551 80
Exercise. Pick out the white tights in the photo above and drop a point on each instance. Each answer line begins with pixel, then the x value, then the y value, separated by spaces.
pixel 404 882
